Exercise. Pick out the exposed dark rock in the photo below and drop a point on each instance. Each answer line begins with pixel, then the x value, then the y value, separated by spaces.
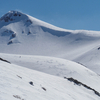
pixel 99 48
pixel 18 97
pixel 22 31
pixel 29 21
pixel 7 33
pixel 79 83
pixel 15 14
pixel 10 16
pixel 10 42
pixel 29 33
pixel 19 76
pixel 44 88
pixel 19 15
pixel 4 60
pixel 31 83
pixel 11 19
pixel 13 35
pixel 7 19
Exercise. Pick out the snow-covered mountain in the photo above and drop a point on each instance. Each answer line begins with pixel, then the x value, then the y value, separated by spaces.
pixel 26 42
pixel 23 34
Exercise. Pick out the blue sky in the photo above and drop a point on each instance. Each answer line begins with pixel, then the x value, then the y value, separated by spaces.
pixel 69 14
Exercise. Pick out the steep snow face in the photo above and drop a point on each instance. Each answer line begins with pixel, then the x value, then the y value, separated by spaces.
pixel 91 59
pixel 56 66
pixel 25 84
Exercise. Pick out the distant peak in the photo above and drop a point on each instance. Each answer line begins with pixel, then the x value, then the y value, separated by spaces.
pixel 12 13
pixel 11 16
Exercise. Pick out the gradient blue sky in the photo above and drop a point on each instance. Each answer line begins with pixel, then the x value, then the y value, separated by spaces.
pixel 69 14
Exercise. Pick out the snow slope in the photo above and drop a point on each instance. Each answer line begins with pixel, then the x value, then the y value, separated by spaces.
pixel 91 59
pixel 56 66
pixel 14 85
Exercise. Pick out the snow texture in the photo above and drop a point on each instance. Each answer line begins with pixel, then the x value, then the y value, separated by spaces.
pixel 48 53
pixel 14 85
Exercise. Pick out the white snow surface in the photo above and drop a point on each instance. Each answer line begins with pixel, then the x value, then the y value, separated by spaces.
pixel 14 85
pixel 91 59
pixel 28 42
pixel 56 66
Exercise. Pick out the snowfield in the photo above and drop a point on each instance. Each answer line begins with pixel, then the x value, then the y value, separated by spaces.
pixel 14 85
pixel 39 61
pixel 91 59
pixel 56 66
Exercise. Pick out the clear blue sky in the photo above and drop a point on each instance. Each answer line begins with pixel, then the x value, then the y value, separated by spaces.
pixel 69 14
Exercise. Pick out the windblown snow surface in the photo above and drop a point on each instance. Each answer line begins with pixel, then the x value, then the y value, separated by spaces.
pixel 43 49
pixel 15 83
pixel 91 59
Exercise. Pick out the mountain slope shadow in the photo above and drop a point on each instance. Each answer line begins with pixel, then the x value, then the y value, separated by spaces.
pixel 55 32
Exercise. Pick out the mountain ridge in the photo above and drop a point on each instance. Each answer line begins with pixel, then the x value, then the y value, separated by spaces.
pixel 15 13
pixel 30 36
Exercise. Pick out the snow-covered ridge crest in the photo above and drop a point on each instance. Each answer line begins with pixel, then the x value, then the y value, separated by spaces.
pixel 13 15
pixel 16 16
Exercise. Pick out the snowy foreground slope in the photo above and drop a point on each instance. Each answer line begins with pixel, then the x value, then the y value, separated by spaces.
pixel 23 34
pixel 56 66
pixel 15 85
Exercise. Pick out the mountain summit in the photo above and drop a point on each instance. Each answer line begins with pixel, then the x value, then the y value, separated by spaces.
pixel 10 16
pixel 16 16
pixel 21 32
